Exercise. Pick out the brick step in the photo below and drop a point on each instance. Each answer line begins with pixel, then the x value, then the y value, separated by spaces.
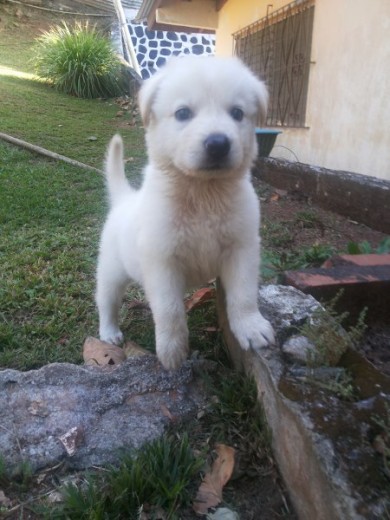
pixel 365 280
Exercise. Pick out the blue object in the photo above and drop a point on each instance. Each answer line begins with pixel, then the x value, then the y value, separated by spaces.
pixel 265 140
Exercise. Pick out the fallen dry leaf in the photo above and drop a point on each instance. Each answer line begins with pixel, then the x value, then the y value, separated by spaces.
pixel 137 304
pixel 72 439
pixel 132 349
pixel 210 490
pixel 199 297
pixel 4 500
pixel 211 329
pixel 166 412
pixel 100 353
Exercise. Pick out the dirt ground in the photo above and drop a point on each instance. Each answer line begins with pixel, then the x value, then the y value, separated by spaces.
pixel 299 224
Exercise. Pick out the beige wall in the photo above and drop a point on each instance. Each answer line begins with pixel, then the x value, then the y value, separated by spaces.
pixel 348 109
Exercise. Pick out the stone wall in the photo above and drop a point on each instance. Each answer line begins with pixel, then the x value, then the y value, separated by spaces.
pixel 153 48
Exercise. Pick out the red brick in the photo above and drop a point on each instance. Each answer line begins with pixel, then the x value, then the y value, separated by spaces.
pixel 362 260
pixel 364 284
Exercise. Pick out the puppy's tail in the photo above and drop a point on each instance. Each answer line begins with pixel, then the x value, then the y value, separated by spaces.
pixel 117 183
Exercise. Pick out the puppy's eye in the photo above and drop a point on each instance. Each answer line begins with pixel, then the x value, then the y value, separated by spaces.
pixel 183 114
pixel 237 114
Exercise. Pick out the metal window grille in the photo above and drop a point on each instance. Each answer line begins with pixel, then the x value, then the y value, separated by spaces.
pixel 277 48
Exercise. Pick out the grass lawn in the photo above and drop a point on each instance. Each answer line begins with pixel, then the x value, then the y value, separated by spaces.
pixel 50 213
pixel 35 112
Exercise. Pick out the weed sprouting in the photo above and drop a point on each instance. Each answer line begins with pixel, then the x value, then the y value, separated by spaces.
pixel 325 331
pixel 308 219
pixel 354 248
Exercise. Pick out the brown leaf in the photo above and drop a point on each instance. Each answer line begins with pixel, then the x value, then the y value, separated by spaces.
pixel 166 412
pixel 100 353
pixel 4 500
pixel 379 444
pixel 210 490
pixel 211 329
pixel 137 304
pixel 132 349
pixel 199 297
pixel 72 439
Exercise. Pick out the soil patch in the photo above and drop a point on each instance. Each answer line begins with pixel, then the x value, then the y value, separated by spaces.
pixel 291 223
pixel 303 224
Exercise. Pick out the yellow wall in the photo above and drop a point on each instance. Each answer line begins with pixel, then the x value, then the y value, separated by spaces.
pixel 348 108
pixel 237 14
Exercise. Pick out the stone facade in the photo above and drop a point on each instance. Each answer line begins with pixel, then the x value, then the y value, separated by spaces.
pixel 153 48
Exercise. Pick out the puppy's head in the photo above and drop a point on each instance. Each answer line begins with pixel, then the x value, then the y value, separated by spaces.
pixel 200 115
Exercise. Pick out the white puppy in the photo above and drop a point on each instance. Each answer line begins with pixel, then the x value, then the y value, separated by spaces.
pixel 196 216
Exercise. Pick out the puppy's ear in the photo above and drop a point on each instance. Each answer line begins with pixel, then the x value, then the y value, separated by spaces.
pixel 147 95
pixel 262 100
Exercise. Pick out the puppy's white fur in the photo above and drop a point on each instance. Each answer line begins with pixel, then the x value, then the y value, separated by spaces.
pixel 196 216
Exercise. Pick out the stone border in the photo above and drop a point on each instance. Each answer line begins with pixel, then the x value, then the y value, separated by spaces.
pixel 317 440
pixel 360 197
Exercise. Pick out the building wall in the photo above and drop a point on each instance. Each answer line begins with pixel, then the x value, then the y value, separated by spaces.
pixel 153 48
pixel 348 108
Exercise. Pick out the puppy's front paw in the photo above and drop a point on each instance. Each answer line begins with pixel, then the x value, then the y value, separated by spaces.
pixel 172 352
pixel 111 335
pixel 253 331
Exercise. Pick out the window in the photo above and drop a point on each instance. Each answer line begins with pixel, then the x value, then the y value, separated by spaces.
pixel 277 48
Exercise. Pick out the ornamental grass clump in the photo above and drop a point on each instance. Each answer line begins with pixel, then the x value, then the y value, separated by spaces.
pixel 80 61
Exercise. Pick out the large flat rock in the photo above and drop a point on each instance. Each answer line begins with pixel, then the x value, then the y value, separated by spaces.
pixel 89 415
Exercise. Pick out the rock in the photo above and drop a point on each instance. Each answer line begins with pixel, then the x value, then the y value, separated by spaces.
pixel 286 307
pixel 86 414
pixel 321 443
pixel 298 349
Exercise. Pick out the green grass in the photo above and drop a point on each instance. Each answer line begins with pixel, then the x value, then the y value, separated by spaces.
pixel 164 475
pixel 35 112
pixel 158 477
pixel 50 214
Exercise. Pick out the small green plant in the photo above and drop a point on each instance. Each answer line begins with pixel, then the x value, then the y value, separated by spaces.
pixel 80 61
pixel 325 331
pixel 315 255
pixel 359 248
pixel 274 264
pixel 156 477
pixel 341 384
pixel 308 219
pixel 3 471
pixel 382 440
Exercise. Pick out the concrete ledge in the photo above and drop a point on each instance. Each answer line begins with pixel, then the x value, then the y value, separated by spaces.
pixel 319 442
pixel 359 197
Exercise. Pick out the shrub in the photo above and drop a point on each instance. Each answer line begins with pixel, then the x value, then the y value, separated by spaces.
pixel 80 61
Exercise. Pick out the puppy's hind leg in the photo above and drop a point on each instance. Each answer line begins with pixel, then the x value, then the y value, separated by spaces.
pixel 111 284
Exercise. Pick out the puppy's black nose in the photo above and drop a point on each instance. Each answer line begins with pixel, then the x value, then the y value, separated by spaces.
pixel 217 146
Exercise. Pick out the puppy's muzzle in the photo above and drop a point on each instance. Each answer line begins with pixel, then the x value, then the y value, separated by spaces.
pixel 217 147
